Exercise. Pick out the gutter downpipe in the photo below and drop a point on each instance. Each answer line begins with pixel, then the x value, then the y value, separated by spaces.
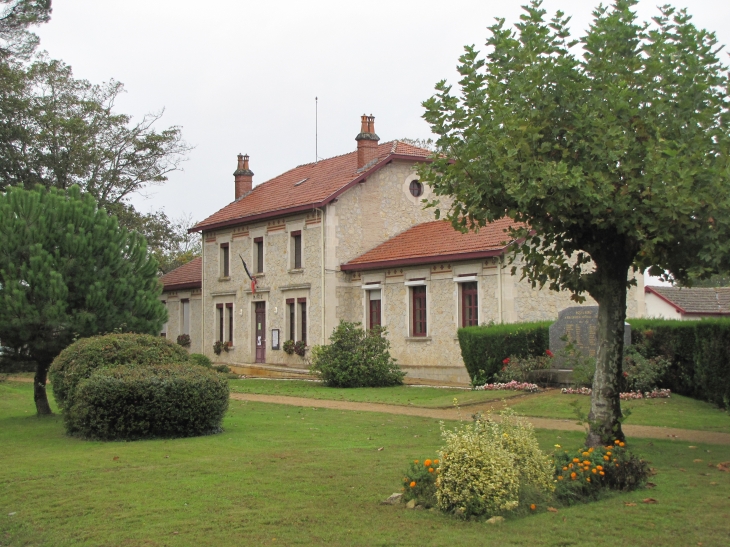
pixel 321 233
pixel 499 287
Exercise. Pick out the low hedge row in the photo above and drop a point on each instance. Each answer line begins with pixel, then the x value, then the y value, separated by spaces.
pixel 483 348
pixel 78 361
pixel 699 352
pixel 130 402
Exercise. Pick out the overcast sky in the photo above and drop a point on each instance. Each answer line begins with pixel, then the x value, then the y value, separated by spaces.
pixel 241 76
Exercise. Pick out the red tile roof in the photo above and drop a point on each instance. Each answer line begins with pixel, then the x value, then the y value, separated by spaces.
pixel 435 241
pixel 187 276
pixel 696 300
pixel 307 186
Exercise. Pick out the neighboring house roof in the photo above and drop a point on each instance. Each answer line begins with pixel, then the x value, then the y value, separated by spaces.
pixel 705 301
pixel 432 242
pixel 187 276
pixel 307 186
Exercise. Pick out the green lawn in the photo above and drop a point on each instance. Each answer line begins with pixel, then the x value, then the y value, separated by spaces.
pixel 299 476
pixel 430 397
pixel 677 411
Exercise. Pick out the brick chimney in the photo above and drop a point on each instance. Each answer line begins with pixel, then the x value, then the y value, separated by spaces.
pixel 243 177
pixel 367 141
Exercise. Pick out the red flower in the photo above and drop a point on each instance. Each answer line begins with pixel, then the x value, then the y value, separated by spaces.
pixel 626 374
pixel 549 353
pixel 506 361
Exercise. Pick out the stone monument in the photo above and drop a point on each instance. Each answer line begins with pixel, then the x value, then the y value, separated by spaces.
pixel 580 324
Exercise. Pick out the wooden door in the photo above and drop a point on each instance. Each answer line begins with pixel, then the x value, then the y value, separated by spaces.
pixel 260 332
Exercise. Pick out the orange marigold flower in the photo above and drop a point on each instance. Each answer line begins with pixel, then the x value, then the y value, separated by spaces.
pixel 586 454
pixel 590 449
pixel 622 444
pixel 602 473
pixel 427 463
pixel 599 467
pixel 615 460
pixel 415 461
pixel 436 462
pixel 565 468
pixel 533 506
pixel 616 441
pixel 588 479
pixel 616 465
pixel 586 462
pixel 430 469
pixel 560 477
pixel 570 465
pixel 594 471
pixel 606 458
pixel 573 475
pixel 608 453
pixel 576 460
pixel 413 484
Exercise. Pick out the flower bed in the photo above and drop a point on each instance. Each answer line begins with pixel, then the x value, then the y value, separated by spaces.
pixel 628 395
pixel 514 385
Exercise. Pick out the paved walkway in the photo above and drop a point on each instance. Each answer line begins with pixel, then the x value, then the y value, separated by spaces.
pixel 465 413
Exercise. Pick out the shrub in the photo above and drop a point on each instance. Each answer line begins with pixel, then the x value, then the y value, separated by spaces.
pixel 128 402
pixel 583 475
pixel 223 369
pixel 291 347
pixel 201 360
pixel 640 373
pixel 219 347
pixel 356 358
pixel 486 465
pixel 484 348
pixel 519 369
pixel 184 340
pixel 79 360
pixel 288 347
pixel 419 482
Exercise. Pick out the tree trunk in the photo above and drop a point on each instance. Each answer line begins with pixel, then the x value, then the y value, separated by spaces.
pixel 39 390
pixel 605 415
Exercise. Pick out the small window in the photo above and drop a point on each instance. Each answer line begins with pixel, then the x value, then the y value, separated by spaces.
pixel 303 319
pixel 416 188
pixel 469 305
pixel 419 310
pixel 374 308
pixel 225 260
pixel 229 310
pixel 296 249
pixel 185 319
pixel 290 305
pixel 164 327
pixel 259 250
pixel 219 312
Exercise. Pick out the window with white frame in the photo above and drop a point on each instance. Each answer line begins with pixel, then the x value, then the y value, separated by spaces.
pixel 225 261
pixel 185 316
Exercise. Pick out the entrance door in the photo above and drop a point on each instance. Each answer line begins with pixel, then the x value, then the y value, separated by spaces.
pixel 260 332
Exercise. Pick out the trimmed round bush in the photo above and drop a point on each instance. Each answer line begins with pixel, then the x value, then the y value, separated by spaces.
pixel 356 358
pixel 200 359
pixel 129 402
pixel 78 361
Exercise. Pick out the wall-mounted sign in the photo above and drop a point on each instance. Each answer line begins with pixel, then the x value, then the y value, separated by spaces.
pixel 274 338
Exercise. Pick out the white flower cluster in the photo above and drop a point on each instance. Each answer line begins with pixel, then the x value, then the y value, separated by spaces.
pixel 627 395
pixel 514 385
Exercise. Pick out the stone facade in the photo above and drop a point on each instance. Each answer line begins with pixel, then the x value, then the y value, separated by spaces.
pixel 175 301
pixel 358 218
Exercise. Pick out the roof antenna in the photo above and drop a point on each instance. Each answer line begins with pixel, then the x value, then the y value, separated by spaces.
pixel 316 129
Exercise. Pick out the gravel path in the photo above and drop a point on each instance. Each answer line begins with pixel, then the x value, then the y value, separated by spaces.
pixel 642 431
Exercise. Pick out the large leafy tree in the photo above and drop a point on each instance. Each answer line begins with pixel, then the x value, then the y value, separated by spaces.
pixel 15 18
pixel 611 149
pixel 68 270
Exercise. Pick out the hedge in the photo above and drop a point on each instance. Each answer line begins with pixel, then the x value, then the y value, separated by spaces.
pixel 483 348
pixel 698 350
pixel 78 361
pixel 128 402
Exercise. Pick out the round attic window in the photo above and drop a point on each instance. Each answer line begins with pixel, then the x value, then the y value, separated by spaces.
pixel 416 188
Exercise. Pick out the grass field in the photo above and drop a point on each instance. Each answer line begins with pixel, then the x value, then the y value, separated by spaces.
pixel 677 411
pixel 298 476
pixel 429 397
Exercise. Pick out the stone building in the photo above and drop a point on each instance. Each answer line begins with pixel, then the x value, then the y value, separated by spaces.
pixel 182 295
pixel 348 238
